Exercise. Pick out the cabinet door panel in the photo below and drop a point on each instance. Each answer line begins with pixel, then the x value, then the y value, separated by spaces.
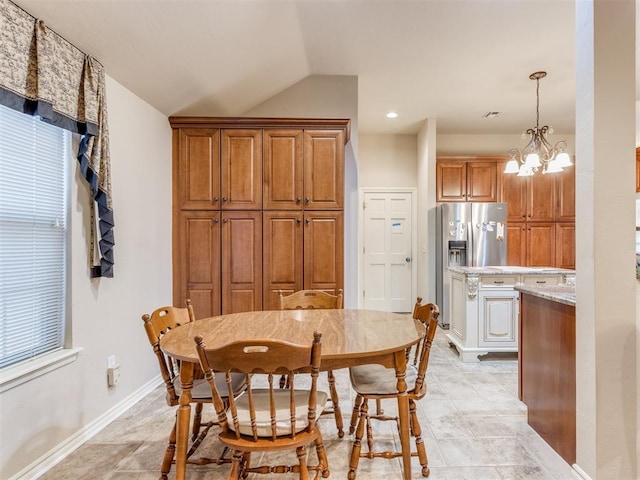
pixel 323 169
pixel 241 164
pixel 198 169
pixel 541 245
pixel 451 181
pixel 514 194
pixel 241 261
pixel 516 244
pixel 283 261
pixel 481 182
pixel 282 189
pixel 541 198
pixel 566 193
pixel 566 245
pixel 498 318
pixel 323 251
pixel 199 262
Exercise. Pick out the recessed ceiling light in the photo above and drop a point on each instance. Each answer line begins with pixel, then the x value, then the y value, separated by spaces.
pixel 392 115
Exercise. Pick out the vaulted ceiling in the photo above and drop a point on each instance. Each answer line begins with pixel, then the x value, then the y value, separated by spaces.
pixel 453 60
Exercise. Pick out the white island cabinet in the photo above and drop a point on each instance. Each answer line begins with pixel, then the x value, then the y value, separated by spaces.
pixel 484 306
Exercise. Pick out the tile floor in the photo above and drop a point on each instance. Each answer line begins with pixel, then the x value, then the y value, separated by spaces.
pixel 474 428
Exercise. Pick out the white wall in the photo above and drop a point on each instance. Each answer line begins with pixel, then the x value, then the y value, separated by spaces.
pixel 491 144
pixel 388 161
pixel 37 416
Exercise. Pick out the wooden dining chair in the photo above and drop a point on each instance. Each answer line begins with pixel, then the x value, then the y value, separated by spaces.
pixel 156 325
pixel 272 418
pixel 305 299
pixel 375 382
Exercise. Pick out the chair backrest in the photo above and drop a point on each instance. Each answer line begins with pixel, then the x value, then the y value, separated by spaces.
pixel 157 325
pixel 428 315
pixel 304 299
pixel 263 411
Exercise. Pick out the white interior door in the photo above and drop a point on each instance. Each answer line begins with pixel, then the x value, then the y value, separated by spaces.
pixel 388 276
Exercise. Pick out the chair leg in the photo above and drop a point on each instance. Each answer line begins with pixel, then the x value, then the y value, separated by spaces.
pixel 379 410
pixel 416 431
pixel 356 413
pixel 169 453
pixel 323 462
pixel 236 463
pixel 357 443
pixel 197 421
pixel 302 460
pixel 336 405
pixel 246 461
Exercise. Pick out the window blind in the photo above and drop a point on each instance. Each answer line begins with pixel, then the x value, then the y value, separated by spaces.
pixel 34 199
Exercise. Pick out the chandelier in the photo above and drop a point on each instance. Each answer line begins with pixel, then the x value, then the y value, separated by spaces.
pixel 538 154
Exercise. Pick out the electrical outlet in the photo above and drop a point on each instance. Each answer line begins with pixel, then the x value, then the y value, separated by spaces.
pixel 113 375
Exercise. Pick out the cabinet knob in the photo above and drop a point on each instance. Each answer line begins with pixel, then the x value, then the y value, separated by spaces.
pixel 298 199
pixel 407 259
pixel 215 220
pixel 224 199
pixel 307 199
pixel 307 221
pixel 298 220
pixel 523 216
pixel 224 220
pixel 215 199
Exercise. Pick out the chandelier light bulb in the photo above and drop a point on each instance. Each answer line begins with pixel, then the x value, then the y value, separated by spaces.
pixel 512 166
pixel 532 160
pixel 563 159
pixel 553 167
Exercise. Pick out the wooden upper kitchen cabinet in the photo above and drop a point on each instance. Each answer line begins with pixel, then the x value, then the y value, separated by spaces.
pixel 529 199
pixel 241 169
pixel 324 169
pixel 461 179
pixel 566 195
pixel 257 207
pixel 283 167
pixel 304 169
pixel 196 174
pixel 218 169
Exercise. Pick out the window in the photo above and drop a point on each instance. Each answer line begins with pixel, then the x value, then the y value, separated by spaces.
pixel 34 202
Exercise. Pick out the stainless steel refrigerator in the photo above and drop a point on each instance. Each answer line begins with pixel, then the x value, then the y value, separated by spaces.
pixel 469 234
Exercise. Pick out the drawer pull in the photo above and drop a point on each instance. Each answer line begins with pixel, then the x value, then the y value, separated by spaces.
pixel 498 281
pixel 541 281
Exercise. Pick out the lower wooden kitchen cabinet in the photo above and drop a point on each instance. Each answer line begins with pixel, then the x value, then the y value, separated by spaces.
pixel 302 250
pixel 220 261
pixel 532 244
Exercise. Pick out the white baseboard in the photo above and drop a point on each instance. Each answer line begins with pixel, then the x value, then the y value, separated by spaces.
pixel 580 472
pixel 54 456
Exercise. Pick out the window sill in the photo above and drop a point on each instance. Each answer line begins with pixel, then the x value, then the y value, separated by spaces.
pixel 14 376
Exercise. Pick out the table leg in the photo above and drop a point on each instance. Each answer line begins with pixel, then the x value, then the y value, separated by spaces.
pixel 403 413
pixel 183 419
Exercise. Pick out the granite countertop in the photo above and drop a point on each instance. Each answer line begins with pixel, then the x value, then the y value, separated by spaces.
pixel 511 270
pixel 558 293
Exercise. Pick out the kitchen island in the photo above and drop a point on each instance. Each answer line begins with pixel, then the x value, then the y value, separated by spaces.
pixel 484 305
pixel 547 364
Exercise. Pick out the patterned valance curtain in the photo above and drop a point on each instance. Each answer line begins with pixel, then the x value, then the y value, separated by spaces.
pixel 42 74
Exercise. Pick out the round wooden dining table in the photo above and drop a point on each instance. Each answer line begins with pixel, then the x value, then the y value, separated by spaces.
pixel 350 337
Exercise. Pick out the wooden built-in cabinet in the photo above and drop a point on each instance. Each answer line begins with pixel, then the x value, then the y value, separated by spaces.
pixel 540 208
pixel 466 180
pixel 302 250
pixel 258 207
